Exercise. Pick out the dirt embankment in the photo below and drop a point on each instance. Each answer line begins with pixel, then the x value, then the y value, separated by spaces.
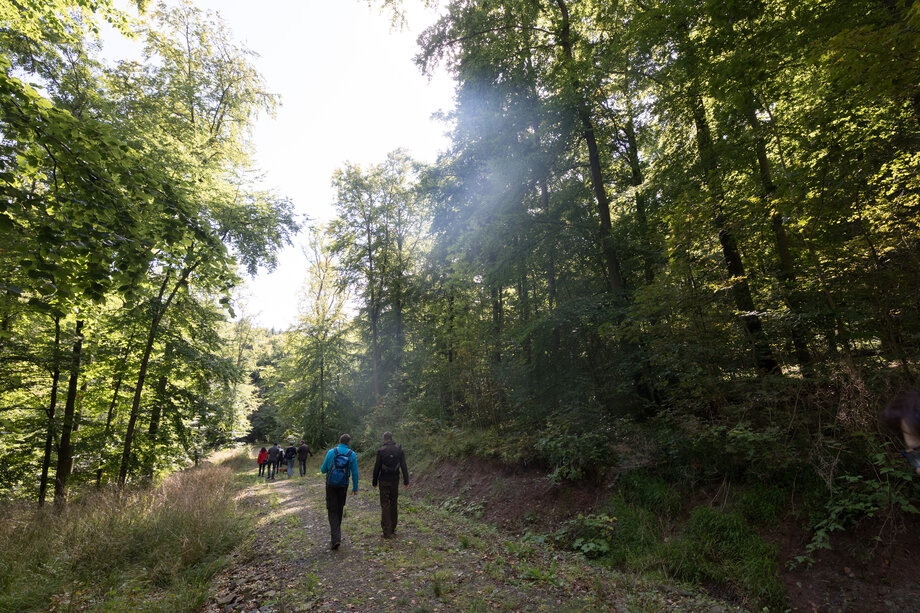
pixel 870 568
pixel 514 498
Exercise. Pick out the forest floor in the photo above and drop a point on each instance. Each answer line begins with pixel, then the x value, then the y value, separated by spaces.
pixel 437 561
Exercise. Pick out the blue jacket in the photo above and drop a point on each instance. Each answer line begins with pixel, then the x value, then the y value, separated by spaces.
pixel 327 463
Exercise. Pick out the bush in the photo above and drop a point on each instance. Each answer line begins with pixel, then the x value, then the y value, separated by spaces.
pixel 575 456
pixel 623 536
pixel 591 535
pixel 854 497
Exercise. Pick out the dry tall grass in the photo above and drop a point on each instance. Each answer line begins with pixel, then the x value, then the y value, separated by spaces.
pixel 151 549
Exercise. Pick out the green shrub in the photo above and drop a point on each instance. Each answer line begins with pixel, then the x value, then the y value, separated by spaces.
pixel 893 488
pixel 460 505
pixel 638 536
pixel 575 456
pixel 624 536
pixel 591 535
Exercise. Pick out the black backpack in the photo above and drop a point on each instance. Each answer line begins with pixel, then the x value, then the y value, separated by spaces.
pixel 389 459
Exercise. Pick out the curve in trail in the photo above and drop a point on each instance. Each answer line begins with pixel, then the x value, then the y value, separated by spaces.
pixel 437 561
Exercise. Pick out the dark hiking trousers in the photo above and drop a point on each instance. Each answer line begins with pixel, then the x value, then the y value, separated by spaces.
pixel 389 513
pixel 303 467
pixel 335 507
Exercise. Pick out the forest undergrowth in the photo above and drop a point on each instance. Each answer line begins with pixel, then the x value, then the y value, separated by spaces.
pixel 751 495
pixel 123 550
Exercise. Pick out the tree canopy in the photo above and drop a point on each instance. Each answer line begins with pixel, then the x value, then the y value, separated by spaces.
pixel 127 218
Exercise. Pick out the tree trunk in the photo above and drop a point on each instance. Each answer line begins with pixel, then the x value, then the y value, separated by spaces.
pixel 158 311
pixel 398 316
pixel 524 293
pixel 764 360
pixel 375 350
pixel 138 389
pixel 65 450
pixel 322 398
pixel 111 413
pixel 52 405
pixel 892 333
pixel 555 340
pixel 785 273
pixel 497 320
pixel 398 292
pixel 452 400
pixel 108 424
pixel 154 428
pixel 373 306
pixel 614 276
pixel 636 180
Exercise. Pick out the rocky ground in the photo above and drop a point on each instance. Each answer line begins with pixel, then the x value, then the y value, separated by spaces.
pixel 439 560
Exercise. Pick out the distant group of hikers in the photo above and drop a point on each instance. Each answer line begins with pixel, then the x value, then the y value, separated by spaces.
pixel 270 459
pixel 341 465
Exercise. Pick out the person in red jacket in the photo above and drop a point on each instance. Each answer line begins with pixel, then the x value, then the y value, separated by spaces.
pixel 263 457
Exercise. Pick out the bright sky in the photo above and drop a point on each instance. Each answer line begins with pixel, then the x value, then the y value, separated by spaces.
pixel 349 92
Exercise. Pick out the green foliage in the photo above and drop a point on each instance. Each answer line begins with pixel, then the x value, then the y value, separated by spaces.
pixel 127 212
pixel 625 535
pixel 762 503
pixel 590 535
pixel 437 441
pixel 856 497
pixel 575 456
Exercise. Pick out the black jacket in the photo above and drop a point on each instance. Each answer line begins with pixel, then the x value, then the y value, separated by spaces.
pixel 303 451
pixel 389 456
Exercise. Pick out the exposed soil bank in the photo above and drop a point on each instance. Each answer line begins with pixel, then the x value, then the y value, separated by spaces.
pixel 870 569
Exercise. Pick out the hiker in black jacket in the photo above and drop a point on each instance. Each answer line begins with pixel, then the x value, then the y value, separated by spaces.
pixel 390 460
pixel 290 454
pixel 274 456
pixel 303 452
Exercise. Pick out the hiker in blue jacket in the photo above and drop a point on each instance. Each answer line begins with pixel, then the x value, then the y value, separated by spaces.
pixel 340 463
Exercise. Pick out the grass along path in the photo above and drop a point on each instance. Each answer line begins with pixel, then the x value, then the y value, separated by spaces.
pixel 438 561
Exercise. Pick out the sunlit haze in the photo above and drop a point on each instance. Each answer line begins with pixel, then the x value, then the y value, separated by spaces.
pixel 350 91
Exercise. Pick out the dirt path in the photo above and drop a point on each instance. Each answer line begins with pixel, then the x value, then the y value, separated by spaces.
pixel 437 561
